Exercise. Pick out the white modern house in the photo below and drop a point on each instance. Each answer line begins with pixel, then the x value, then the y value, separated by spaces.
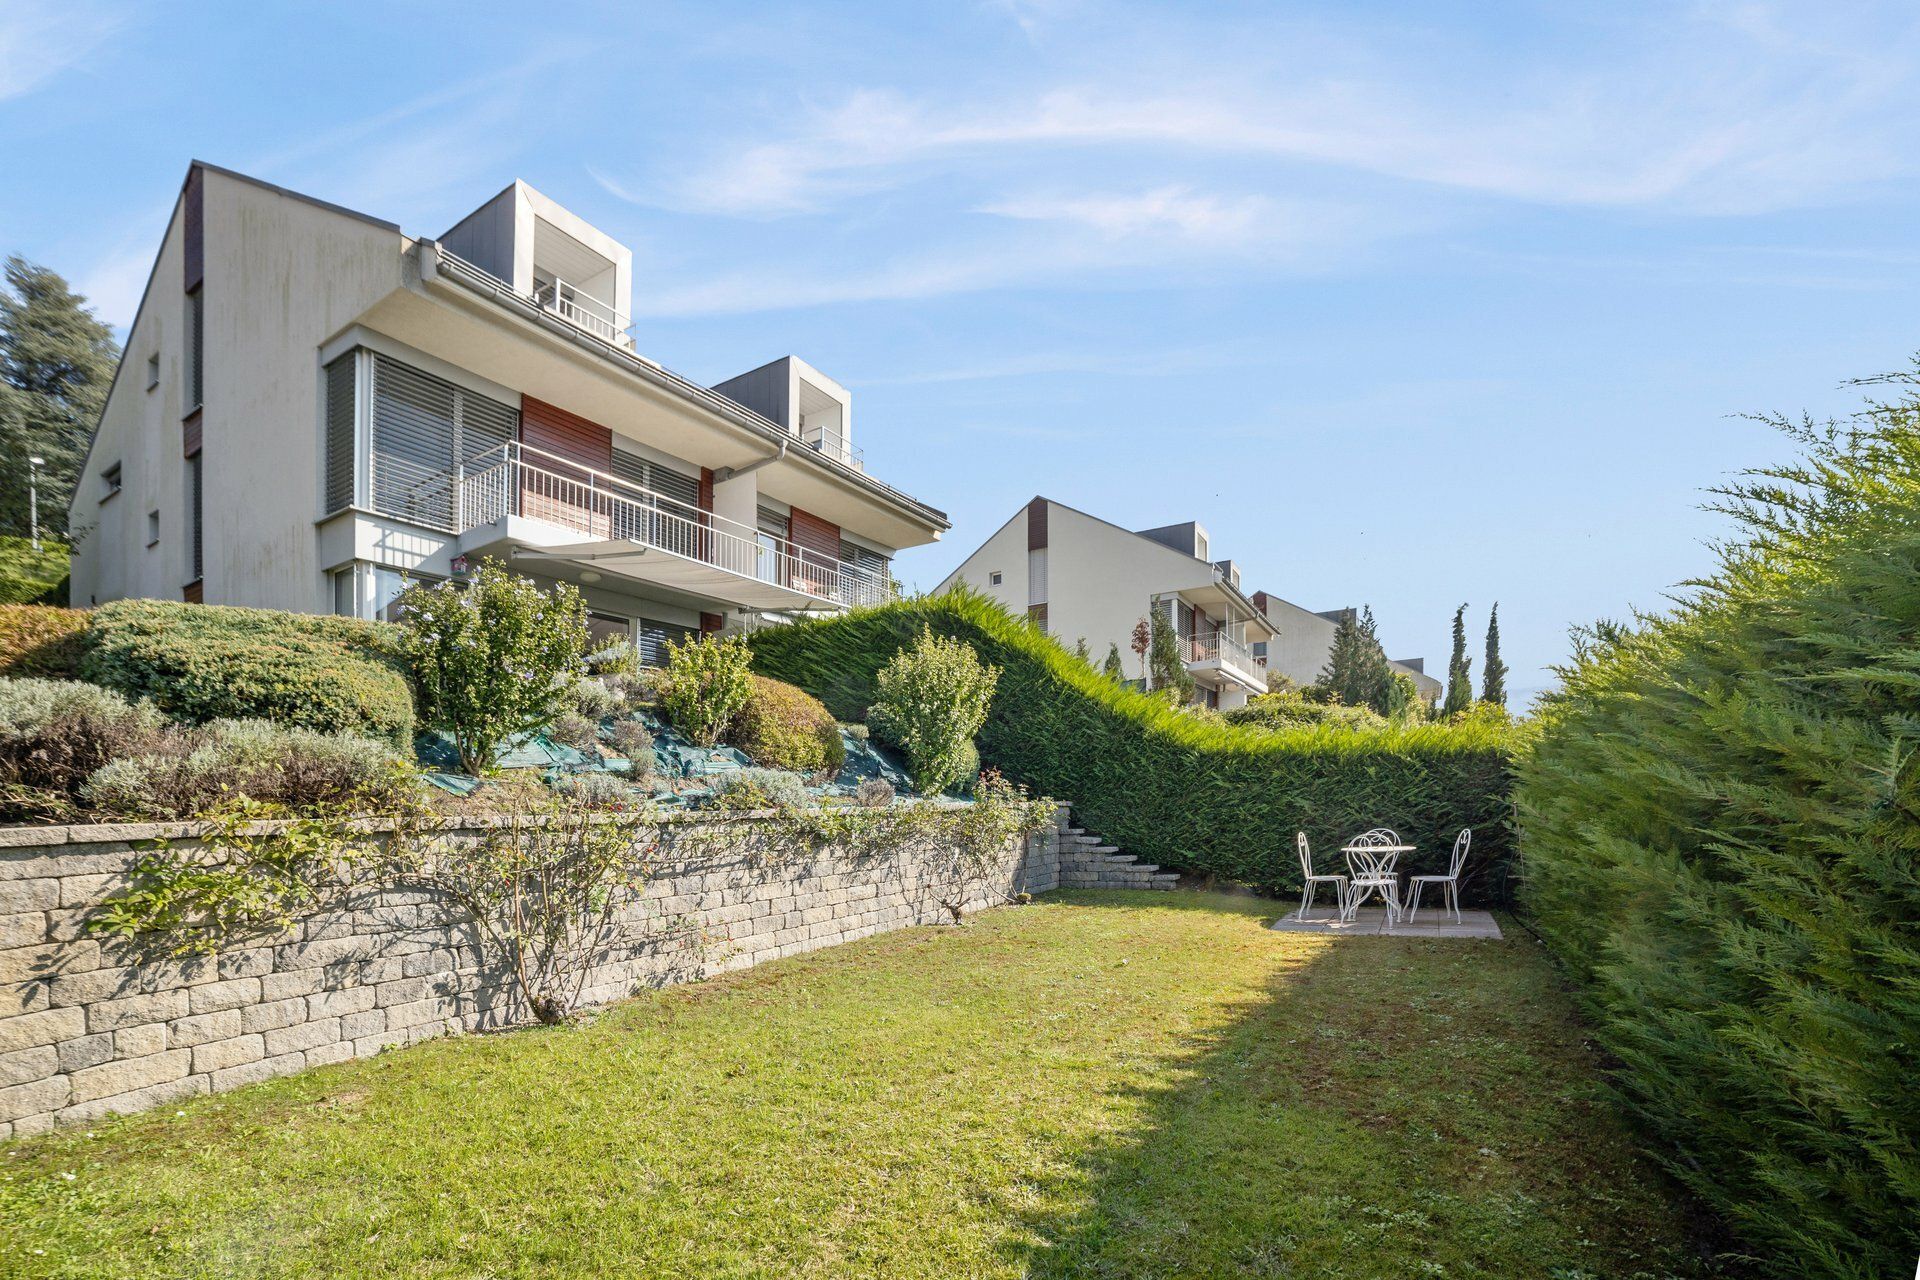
pixel 1080 578
pixel 314 408
pixel 1303 642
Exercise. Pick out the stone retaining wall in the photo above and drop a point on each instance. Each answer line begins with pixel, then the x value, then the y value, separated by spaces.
pixel 85 1030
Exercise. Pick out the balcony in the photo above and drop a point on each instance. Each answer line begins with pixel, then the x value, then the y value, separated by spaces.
pixel 528 504
pixel 583 311
pixel 834 444
pixel 1219 657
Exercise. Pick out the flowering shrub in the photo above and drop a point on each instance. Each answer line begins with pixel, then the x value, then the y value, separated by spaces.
pixel 496 658
pixel 705 685
pixel 930 700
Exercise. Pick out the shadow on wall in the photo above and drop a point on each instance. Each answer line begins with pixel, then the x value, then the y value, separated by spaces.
pixel 1388 1108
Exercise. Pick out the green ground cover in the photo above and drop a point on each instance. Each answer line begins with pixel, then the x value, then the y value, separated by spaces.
pixel 1101 1084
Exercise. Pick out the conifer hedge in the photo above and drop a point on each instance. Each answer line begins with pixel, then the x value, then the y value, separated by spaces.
pixel 1182 791
pixel 1721 827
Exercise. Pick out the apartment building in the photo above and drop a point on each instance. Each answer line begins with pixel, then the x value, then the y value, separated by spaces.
pixel 1081 578
pixel 315 408
pixel 1303 643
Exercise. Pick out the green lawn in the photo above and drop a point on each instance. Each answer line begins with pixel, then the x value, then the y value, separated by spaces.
pixel 1097 1085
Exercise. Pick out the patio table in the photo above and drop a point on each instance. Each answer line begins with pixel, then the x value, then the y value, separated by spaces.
pixel 1374 864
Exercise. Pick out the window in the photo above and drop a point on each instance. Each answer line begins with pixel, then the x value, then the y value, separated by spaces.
pixel 153 371
pixel 604 630
pixel 423 428
pixel 195 562
pixel 871 578
pixel 651 638
pixel 341 454
pixel 670 518
pixel 1260 650
pixel 110 482
pixel 196 344
pixel 1037 615
pixel 153 528
pixel 995 578
pixel 373 590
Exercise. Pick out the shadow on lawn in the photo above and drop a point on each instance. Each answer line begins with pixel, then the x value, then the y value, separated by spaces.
pixel 1389 1107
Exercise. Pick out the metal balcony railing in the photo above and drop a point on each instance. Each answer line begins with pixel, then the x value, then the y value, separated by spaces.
pixel 834 444
pixel 1222 648
pixel 577 308
pixel 519 479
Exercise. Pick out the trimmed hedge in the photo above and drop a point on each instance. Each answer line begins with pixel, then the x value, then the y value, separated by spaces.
pixel 1184 792
pixel 782 727
pixel 33 577
pixel 41 640
pixel 210 662
pixel 1721 821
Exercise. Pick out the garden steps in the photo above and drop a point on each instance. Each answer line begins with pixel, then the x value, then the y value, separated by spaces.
pixel 1087 861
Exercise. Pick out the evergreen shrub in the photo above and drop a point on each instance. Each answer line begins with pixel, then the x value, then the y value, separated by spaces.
pixel 207 662
pixel 40 640
pixel 783 727
pixel 1721 828
pixel 1178 791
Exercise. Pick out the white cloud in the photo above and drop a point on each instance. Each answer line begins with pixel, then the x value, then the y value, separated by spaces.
pixel 1175 210
pixel 39 40
pixel 1728 109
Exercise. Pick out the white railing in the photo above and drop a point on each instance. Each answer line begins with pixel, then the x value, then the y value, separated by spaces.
pixel 573 305
pixel 518 479
pixel 1222 648
pixel 833 443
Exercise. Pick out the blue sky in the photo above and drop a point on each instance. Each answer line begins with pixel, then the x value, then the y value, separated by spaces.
pixel 1410 304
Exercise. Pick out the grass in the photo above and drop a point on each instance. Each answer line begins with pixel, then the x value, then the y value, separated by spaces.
pixel 1102 1084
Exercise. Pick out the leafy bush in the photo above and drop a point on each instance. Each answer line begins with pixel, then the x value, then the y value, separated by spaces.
pixel 968 770
pixel 929 700
pixel 1720 835
pixel 1185 794
pixel 1292 711
pixel 40 640
pixel 493 658
pixel 705 685
pixel 787 728
pixel 873 793
pixel 191 771
pixel 621 658
pixel 759 789
pixel 595 699
pixel 54 734
pixel 634 741
pixel 204 662
pixel 33 577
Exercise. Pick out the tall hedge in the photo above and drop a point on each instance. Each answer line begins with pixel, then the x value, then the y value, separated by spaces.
pixel 1176 789
pixel 1721 826
pixel 208 662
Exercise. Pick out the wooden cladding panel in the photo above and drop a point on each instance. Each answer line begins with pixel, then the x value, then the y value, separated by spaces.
pixel 194 228
pixel 711 622
pixel 549 489
pixel 190 434
pixel 193 593
pixel 818 542
pixel 1037 524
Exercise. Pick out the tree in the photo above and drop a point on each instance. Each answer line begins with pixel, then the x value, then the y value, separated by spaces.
pixel 1459 682
pixel 1081 651
pixel 1142 640
pixel 494 658
pixel 1357 673
pixel 1165 667
pixel 1111 668
pixel 56 362
pixel 1493 673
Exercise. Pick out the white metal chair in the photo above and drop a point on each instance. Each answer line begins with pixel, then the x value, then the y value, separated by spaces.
pixel 1370 859
pixel 1450 882
pixel 1310 880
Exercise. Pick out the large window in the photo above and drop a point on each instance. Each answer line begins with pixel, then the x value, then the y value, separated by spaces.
pixel 651 638
pixel 671 518
pixel 426 434
pixel 196 349
pixel 372 591
pixel 195 493
pixel 341 454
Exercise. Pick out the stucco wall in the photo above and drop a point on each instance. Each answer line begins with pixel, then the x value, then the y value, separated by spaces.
pixel 85 1030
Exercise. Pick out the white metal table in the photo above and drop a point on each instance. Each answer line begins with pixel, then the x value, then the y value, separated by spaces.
pixel 1373 870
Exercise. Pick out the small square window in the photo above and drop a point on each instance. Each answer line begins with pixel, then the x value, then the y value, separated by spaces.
pixel 153 371
pixel 153 528
pixel 995 578
pixel 110 482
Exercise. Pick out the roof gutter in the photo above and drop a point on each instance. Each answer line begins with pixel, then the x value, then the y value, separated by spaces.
pixel 725 474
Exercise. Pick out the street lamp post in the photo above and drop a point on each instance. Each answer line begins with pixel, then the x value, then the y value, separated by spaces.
pixel 33 497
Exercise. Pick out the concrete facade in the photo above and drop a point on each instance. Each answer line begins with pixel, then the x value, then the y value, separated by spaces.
pixel 85 1030
pixel 519 309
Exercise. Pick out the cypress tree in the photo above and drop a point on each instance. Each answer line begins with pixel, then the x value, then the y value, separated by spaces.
pixel 1493 673
pixel 1357 671
pixel 1459 682
pixel 57 359
pixel 1111 668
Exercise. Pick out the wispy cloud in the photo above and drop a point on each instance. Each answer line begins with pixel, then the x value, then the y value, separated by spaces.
pixel 1728 110
pixel 1175 210
pixel 39 40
